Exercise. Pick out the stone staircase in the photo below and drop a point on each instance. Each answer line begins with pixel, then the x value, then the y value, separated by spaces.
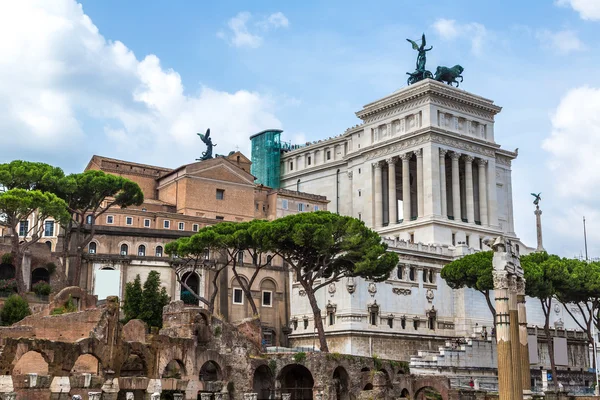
pixel 462 354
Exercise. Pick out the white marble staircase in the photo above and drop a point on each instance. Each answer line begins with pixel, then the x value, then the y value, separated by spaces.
pixel 471 354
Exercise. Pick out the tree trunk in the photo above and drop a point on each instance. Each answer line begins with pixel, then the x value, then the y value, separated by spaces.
pixel 17 257
pixel 77 267
pixel 316 315
pixel 247 291
pixel 549 343
pixel 213 296
pixel 490 305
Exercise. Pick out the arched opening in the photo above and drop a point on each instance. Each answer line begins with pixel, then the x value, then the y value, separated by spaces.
pixel 428 393
pixel 7 271
pixel 40 275
pixel 368 386
pixel 365 369
pixel 31 362
pixel 141 250
pixel 49 244
pixel 404 394
pixel 133 366
pixel 124 249
pixel 297 380
pixel 383 378
pixel 192 280
pixel 210 372
pixel 86 363
pixel 263 382
pixel 159 251
pixel 174 369
pixel 341 382
pixel 92 248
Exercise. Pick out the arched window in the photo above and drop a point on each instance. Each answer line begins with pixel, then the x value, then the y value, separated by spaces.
pixel 49 244
pixel 141 250
pixel 159 251
pixel 124 249
pixel 92 248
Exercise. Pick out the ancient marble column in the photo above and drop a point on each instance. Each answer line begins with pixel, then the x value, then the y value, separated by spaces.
pixel 406 185
pixel 470 200
pixel 483 208
pixel 514 337
pixel 393 201
pixel 455 186
pixel 523 344
pixel 538 226
pixel 443 183
pixel 420 198
pixel 505 367
pixel 378 195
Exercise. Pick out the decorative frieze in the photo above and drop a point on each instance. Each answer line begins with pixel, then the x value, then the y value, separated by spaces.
pixel 401 291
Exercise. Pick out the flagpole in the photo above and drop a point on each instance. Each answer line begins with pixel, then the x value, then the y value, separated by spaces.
pixel 585 239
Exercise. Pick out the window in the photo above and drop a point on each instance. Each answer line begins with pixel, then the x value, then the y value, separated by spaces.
pixel 195 227
pixel 316 208
pixel 128 220
pixel 400 271
pixel 269 259
pixel 220 217
pixel 124 249
pixel 411 273
pixel 49 244
pixel 49 228
pixel 328 155
pixel 267 298
pixel 167 224
pixel 291 165
pixel 305 323
pixel 141 250
pixel 359 193
pixel 220 194
pixel 390 321
pixel 412 237
pixel 159 251
pixel 254 259
pixel 331 318
pixel 430 276
pixel 238 296
pixel 23 228
pixel 424 275
pixel 284 204
pixel 207 254
pixel 256 206
pixel 454 239
pixel 481 244
pixel 300 207
pixel 416 324
pixel 146 223
pixel 89 219
pixel 403 322
pixel 373 317
pixel 182 226
pixel 92 248
pixel 359 171
pixel 144 209
pixel 308 160
pixel 240 258
pixel 467 240
pixel 110 219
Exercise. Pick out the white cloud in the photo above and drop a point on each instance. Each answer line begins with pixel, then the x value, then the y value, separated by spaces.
pixel 562 42
pixel 587 9
pixel 449 29
pixel 245 30
pixel 65 88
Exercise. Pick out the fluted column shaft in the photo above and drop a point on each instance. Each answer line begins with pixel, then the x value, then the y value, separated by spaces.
pixel 443 183
pixel 420 202
pixel 483 206
pixel 378 196
pixel 523 343
pixel 505 367
pixel 470 200
pixel 406 186
pixel 455 187
pixel 393 201
pixel 513 312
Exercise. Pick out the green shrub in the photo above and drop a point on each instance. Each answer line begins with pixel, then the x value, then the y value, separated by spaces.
pixel 273 367
pixel 42 288
pixel 15 309
pixel 7 258
pixel 300 357
pixel 377 362
pixel 68 307
pixel 217 331
pixel 8 285
pixel 51 267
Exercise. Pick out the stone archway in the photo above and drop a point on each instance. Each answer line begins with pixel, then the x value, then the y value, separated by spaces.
pixel 262 382
pixel 428 393
pixel 431 388
pixel 210 372
pixel 31 362
pixel 40 275
pixel 341 382
pixel 404 394
pixel 174 369
pixel 87 363
pixel 297 380
pixel 134 366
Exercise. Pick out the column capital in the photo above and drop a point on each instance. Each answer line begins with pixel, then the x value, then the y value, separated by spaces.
pixel 377 164
pixel 455 155
pixel 512 283
pixel 443 152
pixel 521 286
pixel 469 158
pixel 406 156
pixel 391 160
pixel 500 280
pixel 419 152
pixel 481 162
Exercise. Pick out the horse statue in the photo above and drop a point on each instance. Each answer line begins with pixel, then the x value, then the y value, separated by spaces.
pixel 206 155
pixel 449 75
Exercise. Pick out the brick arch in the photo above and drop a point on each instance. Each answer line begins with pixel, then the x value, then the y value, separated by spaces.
pixel 210 355
pixel 87 363
pixel 441 385
pixel 34 361
pixel 268 280
pixel 175 353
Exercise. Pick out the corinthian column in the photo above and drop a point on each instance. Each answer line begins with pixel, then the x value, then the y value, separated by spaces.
pixel 406 186
pixel 393 202
pixel 420 202
pixel 443 182
pixel 483 208
pixel 523 344
pixel 505 367
pixel 469 189
pixel 378 199
pixel 515 349
pixel 455 186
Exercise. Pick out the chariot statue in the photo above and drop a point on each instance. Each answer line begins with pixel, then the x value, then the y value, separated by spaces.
pixel 420 71
pixel 208 154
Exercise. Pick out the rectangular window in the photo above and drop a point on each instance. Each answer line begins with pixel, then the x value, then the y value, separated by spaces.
pixel 300 207
pixel 167 224
pixel 220 194
pixel 195 227
pixel 23 228
pixel 128 220
pixel 110 219
pixel 316 208
pixel 220 217
pixel 468 240
pixel 291 165
pixel 359 171
pixel 412 237
pixel 373 318
pixel 267 300
pixel 238 296
pixel 403 323
pixel 284 204
pixel 453 239
pixel 182 226
pixel 49 228
pixel 328 155
pixel 146 223
pixel 391 322
pixel 309 160
pixel 331 318
pixel 411 273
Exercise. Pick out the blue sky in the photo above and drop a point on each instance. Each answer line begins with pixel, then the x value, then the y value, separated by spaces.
pixel 138 79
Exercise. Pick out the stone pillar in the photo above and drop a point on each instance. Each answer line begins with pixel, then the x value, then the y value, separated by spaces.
pixel 492 193
pixel 523 343
pixel 443 183
pixel 377 196
pixel 94 395
pixel 420 201
pixel 177 396
pixel 455 186
pixel 538 226
pixel 483 208
pixel 515 349
pixel 470 200
pixel 406 185
pixel 505 367
pixel 393 201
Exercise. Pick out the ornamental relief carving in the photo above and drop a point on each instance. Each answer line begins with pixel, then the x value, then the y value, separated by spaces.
pixel 462 145
pixel 463 108
pixel 500 280
pixel 503 160
pixel 401 291
pixel 398 147
pixel 393 111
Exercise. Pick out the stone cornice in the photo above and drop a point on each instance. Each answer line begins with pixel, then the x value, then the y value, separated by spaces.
pixel 338 163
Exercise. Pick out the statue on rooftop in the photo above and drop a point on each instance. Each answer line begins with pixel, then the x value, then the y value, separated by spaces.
pixel 206 155
pixel 449 75
pixel 538 198
pixel 420 72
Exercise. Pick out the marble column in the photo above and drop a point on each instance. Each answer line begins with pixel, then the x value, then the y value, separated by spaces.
pixel 470 200
pixel 523 343
pixel 406 185
pixel 443 183
pixel 420 202
pixel 455 186
pixel 483 208
pixel 515 349
pixel 393 201
pixel 378 196
pixel 505 367
pixel 538 227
